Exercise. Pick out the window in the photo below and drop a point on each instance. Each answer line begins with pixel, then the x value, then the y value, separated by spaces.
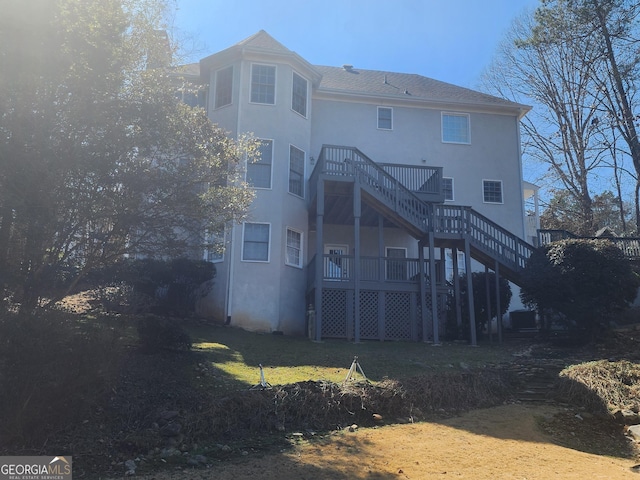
pixel 214 246
pixel 492 191
pixel 396 269
pixel 296 171
pixel 447 188
pixel 293 255
pixel 259 171
pixel 299 95
pixel 263 84
pixel 224 87
pixel 385 118
pixel 255 242
pixel 455 128
pixel 192 96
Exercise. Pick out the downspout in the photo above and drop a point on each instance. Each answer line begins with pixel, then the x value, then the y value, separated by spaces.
pixel 230 278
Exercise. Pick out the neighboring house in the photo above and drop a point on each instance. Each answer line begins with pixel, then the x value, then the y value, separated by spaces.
pixel 370 185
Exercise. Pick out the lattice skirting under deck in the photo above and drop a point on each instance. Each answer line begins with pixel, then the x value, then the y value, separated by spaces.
pixel 383 315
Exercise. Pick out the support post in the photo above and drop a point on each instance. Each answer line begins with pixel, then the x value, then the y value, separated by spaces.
pixel 319 258
pixel 381 278
pixel 470 303
pixel 357 207
pixel 456 287
pixel 487 292
pixel 434 291
pixel 499 314
pixel 423 291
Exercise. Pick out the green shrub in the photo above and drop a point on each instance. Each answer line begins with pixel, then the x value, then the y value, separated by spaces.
pixel 54 370
pixel 158 286
pixel 161 333
pixel 586 281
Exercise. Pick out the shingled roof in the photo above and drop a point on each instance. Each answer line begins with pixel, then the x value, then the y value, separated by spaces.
pixel 348 79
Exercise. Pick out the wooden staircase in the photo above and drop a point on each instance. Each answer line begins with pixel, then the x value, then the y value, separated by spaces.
pixel 416 212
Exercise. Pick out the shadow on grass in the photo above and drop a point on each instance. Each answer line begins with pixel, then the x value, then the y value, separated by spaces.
pixel 379 360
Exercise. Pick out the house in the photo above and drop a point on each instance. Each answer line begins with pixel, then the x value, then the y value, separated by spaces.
pixel 372 189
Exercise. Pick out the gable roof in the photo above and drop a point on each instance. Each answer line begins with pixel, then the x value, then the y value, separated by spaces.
pixel 261 44
pixel 349 80
pixel 263 40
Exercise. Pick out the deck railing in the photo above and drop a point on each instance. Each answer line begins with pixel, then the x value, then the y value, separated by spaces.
pixel 341 268
pixel 421 179
pixel 484 234
pixel 349 161
pixel 630 246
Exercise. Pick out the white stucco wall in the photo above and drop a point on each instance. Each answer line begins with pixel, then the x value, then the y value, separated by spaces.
pixel 267 296
pixel 270 296
pixel 416 139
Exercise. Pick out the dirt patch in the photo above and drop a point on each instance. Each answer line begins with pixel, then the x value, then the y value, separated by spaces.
pixel 507 442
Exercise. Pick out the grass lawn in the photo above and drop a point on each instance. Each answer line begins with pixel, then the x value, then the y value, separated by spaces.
pixel 236 355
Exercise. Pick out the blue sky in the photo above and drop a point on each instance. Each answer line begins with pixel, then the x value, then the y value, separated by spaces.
pixel 449 40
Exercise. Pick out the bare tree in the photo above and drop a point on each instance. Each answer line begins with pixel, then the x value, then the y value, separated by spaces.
pixel 556 75
pixel 613 26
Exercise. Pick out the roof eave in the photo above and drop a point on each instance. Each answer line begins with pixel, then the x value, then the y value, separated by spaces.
pixel 519 109
pixel 237 52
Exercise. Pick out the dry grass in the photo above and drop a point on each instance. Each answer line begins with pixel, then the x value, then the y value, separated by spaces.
pixel 602 386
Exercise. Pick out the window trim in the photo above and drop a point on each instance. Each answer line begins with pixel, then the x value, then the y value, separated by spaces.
pixel 378 118
pixel 453 195
pixel 295 74
pixel 215 93
pixel 275 82
pixel 251 260
pixel 484 199
pixel 286 247
pixel 304 162
pixel 455 114
pixel 246 179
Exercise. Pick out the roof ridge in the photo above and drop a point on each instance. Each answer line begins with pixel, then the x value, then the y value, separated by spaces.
pixel 262 39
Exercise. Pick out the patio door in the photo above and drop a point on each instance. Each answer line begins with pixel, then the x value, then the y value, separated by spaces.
pixel 336 265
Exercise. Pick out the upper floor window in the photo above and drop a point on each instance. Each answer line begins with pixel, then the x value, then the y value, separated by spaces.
pixel 255 242
pixel 492 191
pixel 385 118
pixel 296 171
pixel 455 128
pixel 259 171
pixel 293 254
pixel 224 87
pixel 214 246
pixel 263 84
pixel 299 95
pixel 447 188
